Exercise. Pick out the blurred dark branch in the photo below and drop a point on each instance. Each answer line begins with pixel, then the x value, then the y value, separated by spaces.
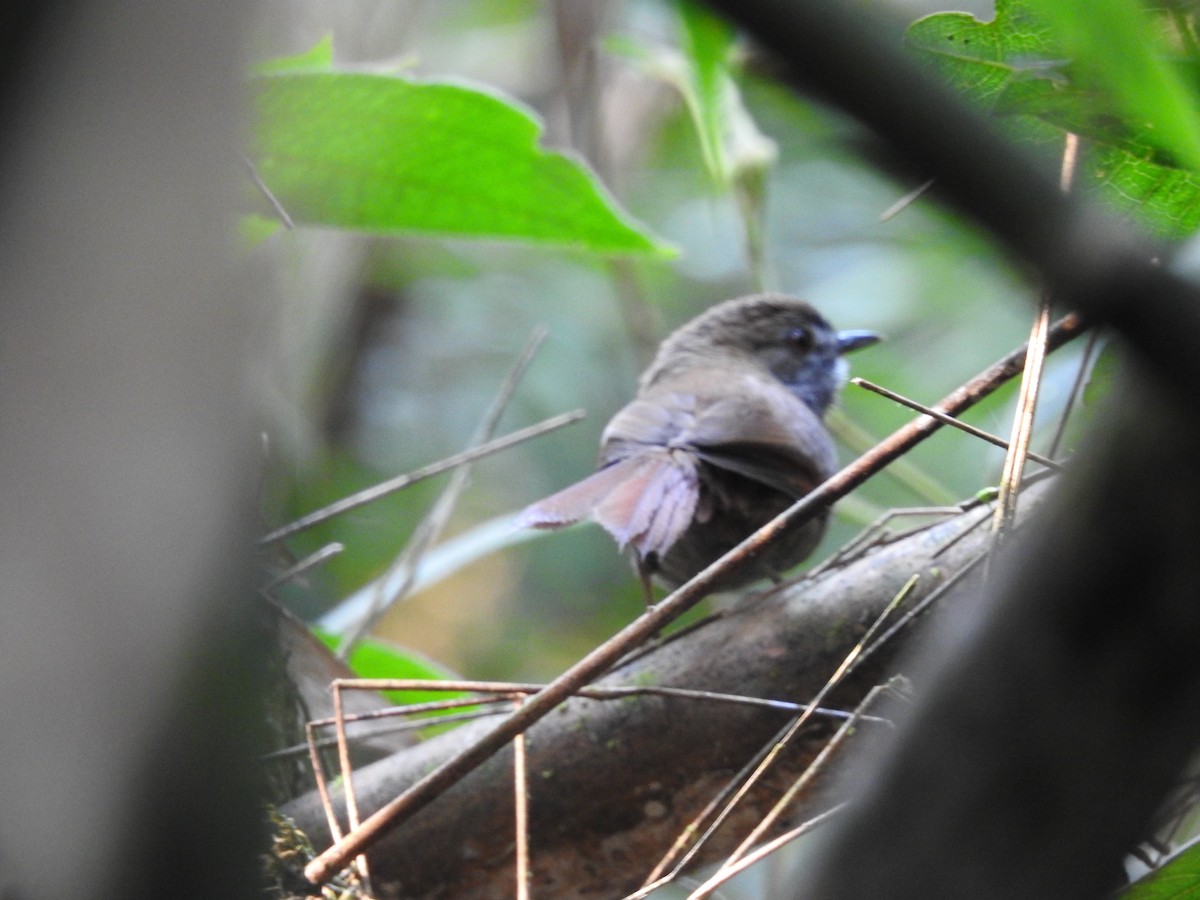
pixel 1047 735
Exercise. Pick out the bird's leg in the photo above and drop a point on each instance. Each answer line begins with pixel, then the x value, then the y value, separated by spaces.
pixel 643 573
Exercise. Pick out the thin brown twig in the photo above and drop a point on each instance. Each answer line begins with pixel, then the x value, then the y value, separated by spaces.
pixel 468 715
pixel 877 533
pixel 432 523
pixel 414 708
pixel 743 856
pixel 906 201
pixel 1031 381
pixel 331 819
pixel 267 193
pixel 509 690
pixel 775 844
pixel 1022 432
pixel 392 728
pixel 343 754
pixel 949 420
pixel 1089 348
pixel 736 788
pixel 310 562
pixel 521 814
pixel 839 675
pixel 618 692
pixel 675 604
pixel 375 492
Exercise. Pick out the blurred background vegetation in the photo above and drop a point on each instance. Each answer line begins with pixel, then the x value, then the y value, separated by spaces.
pixel 392 346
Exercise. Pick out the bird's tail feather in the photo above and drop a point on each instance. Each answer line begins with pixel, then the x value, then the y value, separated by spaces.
pixel 644 501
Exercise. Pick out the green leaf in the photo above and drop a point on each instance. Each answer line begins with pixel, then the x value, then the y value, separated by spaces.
pixel 1043 74
pixel 736 153
pixel 1117 46
pixel 374 658
pixel 1164 198
pixel 387 154
pixel 981 59
pixel 1176 879
pixel 706 87
pixel 702 71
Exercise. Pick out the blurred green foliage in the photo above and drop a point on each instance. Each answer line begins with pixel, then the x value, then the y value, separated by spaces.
pixel 392 345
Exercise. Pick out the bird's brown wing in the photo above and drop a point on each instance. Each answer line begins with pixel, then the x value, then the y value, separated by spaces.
pixel 784 447
pixel 577 502
pixel 649 423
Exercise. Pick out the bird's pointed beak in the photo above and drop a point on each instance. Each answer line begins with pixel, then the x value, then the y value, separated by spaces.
pixel 856 340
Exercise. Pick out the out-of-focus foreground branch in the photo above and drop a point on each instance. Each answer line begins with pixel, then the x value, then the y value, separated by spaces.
pixel 1047 736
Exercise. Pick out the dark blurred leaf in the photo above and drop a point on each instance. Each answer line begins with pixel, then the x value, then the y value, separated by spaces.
pixel 1122 48
pixel 1047 69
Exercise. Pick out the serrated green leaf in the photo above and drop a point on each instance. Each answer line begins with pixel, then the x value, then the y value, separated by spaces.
pixel 1164 198
pixel 1176 879
pixel 1024 67
pixel 387 154
pixel 982 59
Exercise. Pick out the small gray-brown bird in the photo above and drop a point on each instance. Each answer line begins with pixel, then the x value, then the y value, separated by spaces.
pixel 724 434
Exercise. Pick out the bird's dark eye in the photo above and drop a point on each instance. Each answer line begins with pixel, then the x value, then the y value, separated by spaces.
pixel 799 338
